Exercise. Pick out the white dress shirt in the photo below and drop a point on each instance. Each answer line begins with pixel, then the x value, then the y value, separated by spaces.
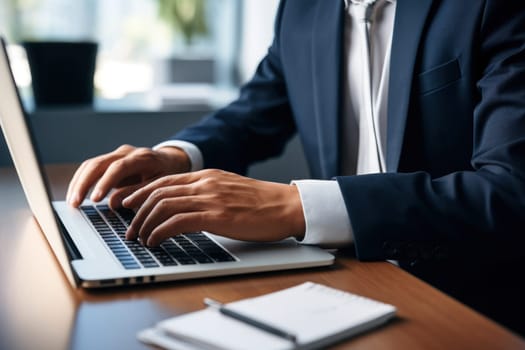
pixel 326 217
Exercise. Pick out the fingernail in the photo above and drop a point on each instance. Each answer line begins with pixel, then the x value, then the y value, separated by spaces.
pixel 96 195
pixel 74 200
pixel 126 201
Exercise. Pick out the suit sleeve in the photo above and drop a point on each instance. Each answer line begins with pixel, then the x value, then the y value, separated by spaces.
pixel 256 126
pixel 477 212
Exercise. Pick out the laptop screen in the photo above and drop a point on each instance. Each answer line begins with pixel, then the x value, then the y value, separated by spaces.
pixel 19 139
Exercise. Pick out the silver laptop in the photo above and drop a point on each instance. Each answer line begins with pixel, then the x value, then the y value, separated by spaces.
pixel 89 242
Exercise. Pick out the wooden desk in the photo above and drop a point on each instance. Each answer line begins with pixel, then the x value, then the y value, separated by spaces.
pixel 39 309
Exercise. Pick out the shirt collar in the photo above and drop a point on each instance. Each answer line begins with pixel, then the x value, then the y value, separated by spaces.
pixel 347 2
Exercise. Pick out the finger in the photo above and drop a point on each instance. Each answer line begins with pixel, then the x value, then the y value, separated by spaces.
pixel 73 181
pixel 137 166
pixel 86 177
pixel 136 199
pixel 148 205
pixel 90 171
pixel 116 197
pixel 180 223
pixel 167 208
pixel 121 171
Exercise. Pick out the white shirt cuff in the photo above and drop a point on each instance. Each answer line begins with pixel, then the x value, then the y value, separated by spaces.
pixel 193 152
pixel 325 214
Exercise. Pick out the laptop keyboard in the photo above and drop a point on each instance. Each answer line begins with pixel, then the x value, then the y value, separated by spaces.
pixel 184 249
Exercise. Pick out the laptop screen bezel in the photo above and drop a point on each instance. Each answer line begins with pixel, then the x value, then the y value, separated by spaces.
pixel 20 140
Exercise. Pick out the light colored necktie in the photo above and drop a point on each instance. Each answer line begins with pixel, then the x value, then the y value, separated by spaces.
pixel 364 12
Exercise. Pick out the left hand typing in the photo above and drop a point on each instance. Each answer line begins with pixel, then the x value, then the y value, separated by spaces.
pixel 216 201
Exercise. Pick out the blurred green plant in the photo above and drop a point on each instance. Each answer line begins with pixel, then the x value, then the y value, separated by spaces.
pixel 186 16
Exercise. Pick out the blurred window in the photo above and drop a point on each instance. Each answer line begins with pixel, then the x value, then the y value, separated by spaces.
pixel 147 48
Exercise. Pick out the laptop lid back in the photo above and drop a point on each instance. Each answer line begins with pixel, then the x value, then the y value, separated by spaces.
pixel 20 141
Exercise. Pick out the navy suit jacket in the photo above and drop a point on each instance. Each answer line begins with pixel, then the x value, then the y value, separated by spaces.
pixel 451 207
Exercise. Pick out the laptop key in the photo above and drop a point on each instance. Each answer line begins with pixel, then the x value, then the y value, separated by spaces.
pixel 150 264
pixel 131 266
pixel 186 261
pixel 126 214
pixel 223 258
pixel 203 259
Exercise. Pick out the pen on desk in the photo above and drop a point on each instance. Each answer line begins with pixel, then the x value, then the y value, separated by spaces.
pixel 248 320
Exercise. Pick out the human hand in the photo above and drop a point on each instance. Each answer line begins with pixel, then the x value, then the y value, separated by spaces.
pixel 217 201
pixel 125 169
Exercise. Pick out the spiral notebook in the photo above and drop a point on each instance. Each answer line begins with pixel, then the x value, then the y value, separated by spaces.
pixel 316 314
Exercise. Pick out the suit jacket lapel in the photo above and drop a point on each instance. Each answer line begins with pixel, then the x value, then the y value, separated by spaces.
pixel 326 59
pixel 408 27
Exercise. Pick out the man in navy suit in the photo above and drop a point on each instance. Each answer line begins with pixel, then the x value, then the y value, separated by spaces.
pixel 440 162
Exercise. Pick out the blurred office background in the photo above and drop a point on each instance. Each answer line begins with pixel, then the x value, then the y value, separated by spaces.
pixel 161 64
